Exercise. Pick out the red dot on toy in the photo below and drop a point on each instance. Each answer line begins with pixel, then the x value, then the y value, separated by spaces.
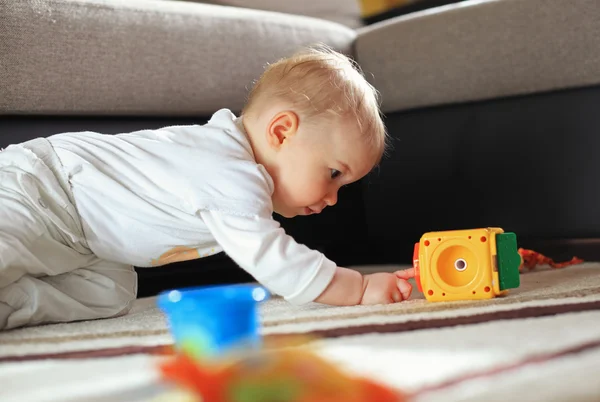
pixel 487 289
pixel 427 243
pixel 483 239
pixel 430 292
pixel 474 292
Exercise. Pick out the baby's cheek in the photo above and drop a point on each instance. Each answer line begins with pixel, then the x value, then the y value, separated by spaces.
pixel 310 192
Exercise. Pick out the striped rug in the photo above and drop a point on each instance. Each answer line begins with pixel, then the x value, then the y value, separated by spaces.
pixel 512 347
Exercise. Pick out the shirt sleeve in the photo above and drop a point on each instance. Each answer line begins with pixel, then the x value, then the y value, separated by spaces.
pixel 261 247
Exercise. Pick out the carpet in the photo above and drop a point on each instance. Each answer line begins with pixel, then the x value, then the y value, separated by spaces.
pixel 511 347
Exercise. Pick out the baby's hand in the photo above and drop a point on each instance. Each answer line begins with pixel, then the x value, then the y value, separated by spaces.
pixel 385 288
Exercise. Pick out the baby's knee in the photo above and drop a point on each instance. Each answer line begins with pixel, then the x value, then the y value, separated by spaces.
pixel 125 288
pixel 105 289
pixel 107 286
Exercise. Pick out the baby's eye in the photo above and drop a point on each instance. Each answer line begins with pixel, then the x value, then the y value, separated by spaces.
pixel 335 173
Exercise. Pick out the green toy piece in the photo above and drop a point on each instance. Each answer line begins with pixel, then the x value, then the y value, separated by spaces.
pixel 508 260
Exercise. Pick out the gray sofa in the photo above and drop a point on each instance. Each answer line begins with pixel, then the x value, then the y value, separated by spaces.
pixel 492 106
pixel 171 58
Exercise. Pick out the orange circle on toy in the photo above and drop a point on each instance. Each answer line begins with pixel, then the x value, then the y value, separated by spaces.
pixel 457 265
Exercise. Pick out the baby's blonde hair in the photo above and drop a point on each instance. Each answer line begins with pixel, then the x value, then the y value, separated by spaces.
pixel 319 83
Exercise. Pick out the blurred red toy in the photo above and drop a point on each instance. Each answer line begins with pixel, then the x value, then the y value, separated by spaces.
pixel 530 259
pixel 292 375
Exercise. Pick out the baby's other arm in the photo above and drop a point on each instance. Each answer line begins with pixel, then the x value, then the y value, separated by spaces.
pixel 262 248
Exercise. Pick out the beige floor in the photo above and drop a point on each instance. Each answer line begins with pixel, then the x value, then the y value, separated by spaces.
pixel 514 348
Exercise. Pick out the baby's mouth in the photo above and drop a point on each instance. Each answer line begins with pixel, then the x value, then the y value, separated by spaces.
pixel 312 211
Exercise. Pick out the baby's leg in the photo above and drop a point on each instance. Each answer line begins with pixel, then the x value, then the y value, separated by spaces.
pixel 29 244
pixel 101 290
pixel 47 272
pixel 39 229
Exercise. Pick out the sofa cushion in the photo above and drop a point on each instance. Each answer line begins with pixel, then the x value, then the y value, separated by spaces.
pixel 143 57
pixel 345 12
pixel 482 49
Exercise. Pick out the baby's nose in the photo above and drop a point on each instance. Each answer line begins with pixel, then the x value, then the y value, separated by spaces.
pixel 331 199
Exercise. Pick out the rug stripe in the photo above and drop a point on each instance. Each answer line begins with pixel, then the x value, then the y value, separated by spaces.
pixel 88 337
pixel 92 353
pixel 528 312
pixel 542 358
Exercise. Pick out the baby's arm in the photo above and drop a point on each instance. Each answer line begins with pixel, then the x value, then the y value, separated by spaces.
pixel 349 287
pixel 261 247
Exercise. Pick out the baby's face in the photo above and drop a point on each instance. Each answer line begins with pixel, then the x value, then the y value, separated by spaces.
pixel 312 167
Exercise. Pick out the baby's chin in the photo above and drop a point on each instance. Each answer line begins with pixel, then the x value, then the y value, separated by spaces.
pixel 284 213
pixel 290 212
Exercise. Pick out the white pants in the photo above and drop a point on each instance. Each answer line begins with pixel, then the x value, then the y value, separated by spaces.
pixel 47 272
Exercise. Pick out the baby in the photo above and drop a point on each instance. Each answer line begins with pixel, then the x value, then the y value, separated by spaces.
pixel 79 210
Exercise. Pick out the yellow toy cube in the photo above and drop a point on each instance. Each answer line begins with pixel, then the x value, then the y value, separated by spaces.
pixel 466 264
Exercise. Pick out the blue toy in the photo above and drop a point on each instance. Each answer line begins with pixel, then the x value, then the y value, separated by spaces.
pixel 208 322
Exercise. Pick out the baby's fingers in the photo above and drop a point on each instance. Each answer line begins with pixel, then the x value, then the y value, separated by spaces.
pixel 404 287
pixel 405 273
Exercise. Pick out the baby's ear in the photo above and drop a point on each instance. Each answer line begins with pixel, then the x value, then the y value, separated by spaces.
pixel 282 127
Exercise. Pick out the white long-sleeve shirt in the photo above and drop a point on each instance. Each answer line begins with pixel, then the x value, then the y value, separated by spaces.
pixel 153 197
